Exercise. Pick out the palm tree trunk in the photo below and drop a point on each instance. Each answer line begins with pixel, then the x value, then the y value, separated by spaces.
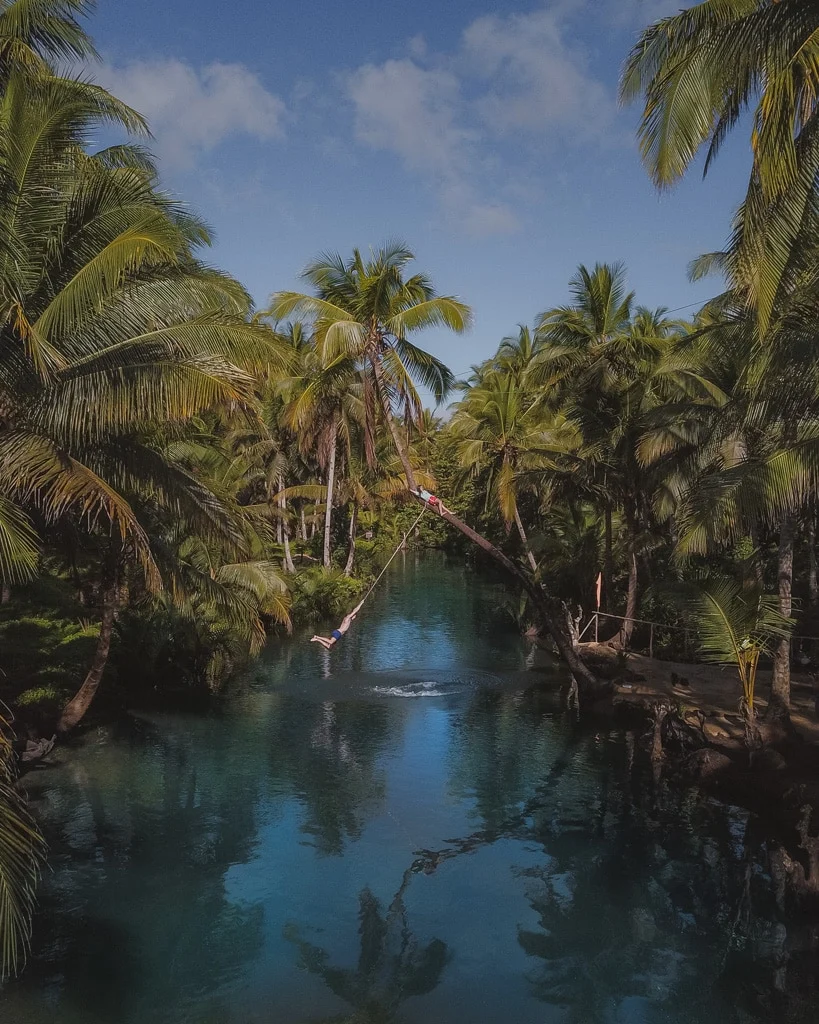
pixel 5 593
pixel 288 558
pixel 398 441
pixel 348 568
pixel 623 638
pixel 331 478
pixel 608 558
pixel 76 708
pixel 813 573
pixel 780 703
pixel 530 557
pixel 303 523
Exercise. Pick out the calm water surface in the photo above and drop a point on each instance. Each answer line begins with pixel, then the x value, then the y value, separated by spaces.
pixel 412 829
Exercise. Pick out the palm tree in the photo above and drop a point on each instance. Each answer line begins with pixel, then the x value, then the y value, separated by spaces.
pixel 22 852
pixel 516 354
pixel 737 624
pixel 505 434
pixel 599 359
pixel 701 69
pixel 321 403
pixel 35 35
pixel 112 335
pixel 366 310
pixel 699 72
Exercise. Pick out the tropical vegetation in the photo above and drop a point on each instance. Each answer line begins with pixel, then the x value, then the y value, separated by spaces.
pixel 182 475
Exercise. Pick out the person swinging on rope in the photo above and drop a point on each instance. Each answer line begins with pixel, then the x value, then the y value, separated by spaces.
pixel 330 641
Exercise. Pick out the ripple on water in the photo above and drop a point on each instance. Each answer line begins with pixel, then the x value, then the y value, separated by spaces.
pixel 416 683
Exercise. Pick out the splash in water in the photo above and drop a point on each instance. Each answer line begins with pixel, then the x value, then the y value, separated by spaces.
pixel 425 688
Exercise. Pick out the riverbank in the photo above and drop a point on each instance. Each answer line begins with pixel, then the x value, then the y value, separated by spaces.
pixel 694 735
pixel 712 690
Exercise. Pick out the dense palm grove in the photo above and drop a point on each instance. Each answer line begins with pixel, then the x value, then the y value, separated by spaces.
pixel 180 474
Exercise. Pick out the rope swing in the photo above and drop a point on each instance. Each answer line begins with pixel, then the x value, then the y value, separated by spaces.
pixel 337 634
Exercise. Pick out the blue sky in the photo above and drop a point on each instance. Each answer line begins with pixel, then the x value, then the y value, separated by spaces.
pixel 486 135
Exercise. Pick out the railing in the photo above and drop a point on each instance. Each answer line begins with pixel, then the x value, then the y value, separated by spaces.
pixel 595 617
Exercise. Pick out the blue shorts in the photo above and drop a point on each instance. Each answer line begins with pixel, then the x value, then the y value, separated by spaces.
pixel 336 635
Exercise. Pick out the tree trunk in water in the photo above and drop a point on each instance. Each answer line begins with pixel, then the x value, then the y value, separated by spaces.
pixel 76 708
pixel 530 557
pixel 623 638
pixel 348 568
pixel 588 683
pixel 608 560
pixel 813 574
pixel 780 703
pixel 331 477
pixel 288 558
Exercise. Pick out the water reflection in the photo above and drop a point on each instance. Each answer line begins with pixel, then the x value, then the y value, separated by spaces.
pixel 393 966
pixel 139 846
pixel 328 753
pixel 241 867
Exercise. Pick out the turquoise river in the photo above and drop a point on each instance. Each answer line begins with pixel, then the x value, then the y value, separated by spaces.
pixel 412 828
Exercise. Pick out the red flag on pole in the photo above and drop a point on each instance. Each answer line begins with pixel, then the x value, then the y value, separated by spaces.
pixel 599 588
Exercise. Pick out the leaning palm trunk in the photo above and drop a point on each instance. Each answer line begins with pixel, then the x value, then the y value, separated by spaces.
pixel 587 681
pixel 76 709
pixel 348 568
pixel 331 478
pixel 525 540
pixel 780 703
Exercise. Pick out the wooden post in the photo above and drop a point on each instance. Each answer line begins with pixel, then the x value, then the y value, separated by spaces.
pixel 596 620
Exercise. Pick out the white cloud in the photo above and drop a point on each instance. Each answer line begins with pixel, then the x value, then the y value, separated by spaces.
pixel 535 80
pixel 414 112
pixel 419 114
pixel 193 110
pixel 446 114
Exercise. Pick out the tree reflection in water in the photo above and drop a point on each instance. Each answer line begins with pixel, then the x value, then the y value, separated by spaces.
pixel 167 822
pixel 392 965
pixel 329 752
pixel 648 900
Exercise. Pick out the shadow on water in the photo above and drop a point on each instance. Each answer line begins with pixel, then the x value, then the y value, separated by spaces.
pixel 352 844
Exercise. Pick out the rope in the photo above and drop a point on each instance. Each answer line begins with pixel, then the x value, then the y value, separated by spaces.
pixel 402 542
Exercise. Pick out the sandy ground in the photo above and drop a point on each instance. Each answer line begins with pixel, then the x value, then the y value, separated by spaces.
pixel 712 689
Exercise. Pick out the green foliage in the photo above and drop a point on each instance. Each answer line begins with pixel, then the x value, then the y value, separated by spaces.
pixel 737 624
pixel 22 853
pixel 36 647
pixel 320 593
